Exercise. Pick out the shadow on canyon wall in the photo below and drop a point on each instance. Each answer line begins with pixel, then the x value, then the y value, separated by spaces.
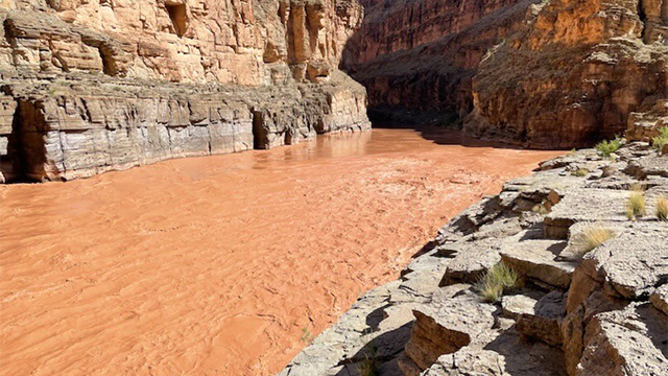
pixel 418 60
pixel 445 134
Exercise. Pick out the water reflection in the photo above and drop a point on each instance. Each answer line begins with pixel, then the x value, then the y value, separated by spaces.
pixel 322 147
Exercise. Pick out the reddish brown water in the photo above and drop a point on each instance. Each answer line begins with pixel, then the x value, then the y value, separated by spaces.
pixel 213 266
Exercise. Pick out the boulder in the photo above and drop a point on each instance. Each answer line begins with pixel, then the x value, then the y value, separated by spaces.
pixel 510 356
pixel 444 327
pixel 633 263
pixel 471 262
pixel 633 341
pixel 585 205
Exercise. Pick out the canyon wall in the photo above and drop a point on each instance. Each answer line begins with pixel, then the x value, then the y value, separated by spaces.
pixel 90 86
pixel 574 72
pixel 422 55
pixel 556 74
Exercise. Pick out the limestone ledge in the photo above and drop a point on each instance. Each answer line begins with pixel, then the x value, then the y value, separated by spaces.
pixel 68 127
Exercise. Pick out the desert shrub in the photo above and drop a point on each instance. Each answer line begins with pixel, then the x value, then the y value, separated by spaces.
pixel 580 172
pixel 635 205
pixel 661 204
pixel 661 139
pixel 498 279
pixel 607 147
pixel 594 237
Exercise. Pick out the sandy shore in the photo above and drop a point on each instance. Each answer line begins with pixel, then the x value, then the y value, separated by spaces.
pixel 223 265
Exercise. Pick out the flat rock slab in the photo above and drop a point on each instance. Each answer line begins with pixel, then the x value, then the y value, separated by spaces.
pixel 633 263
pixel 445 327
pixel 585 205
pixel 430 262
pixel 499 228
pixel 575 250
pixel 583 156
pixel 650 165
pixel 633 341
pixel 471 262
pixel 550 180
pixel 536 259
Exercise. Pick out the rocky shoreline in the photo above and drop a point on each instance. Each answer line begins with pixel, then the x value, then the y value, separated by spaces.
pixel 576 308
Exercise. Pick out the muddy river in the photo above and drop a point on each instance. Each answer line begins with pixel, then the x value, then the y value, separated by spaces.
pixel 224 265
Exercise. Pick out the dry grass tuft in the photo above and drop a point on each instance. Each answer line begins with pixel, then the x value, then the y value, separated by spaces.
pixel 661 204
pixel 369 366
pixel 580 172
pixel 635 205
pixel 594 237
pixel 499 278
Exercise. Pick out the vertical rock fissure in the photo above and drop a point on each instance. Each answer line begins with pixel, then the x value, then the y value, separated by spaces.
pixel 177 13
pixel 108 66
pixel 12 165
pixel 30 143
pixel 259 134
pixel 643 19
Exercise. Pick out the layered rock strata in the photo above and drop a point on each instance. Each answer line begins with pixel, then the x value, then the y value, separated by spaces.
pixel 99 85
pixel 574 72
pixel 555 74
pixel 577 309
pixel 422 55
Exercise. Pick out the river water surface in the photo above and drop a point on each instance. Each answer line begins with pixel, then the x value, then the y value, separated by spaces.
pixel 224 265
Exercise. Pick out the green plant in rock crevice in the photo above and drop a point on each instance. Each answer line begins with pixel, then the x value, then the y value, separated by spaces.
pixel 661 139
pixel 497 280
pixel 306 337
pixel 606 148
pixel 580 172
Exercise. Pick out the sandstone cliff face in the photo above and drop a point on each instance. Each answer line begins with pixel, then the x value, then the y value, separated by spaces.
pixel 556 74
pixel 422 55
pixel 87 83
pixel 573 73
pixel 231 41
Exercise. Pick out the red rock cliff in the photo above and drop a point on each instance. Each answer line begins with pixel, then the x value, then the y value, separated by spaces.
pixel 422 54
pixel 561 74
pixel 573 73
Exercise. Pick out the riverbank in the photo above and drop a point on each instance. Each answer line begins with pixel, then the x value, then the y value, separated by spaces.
pixel 227 264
